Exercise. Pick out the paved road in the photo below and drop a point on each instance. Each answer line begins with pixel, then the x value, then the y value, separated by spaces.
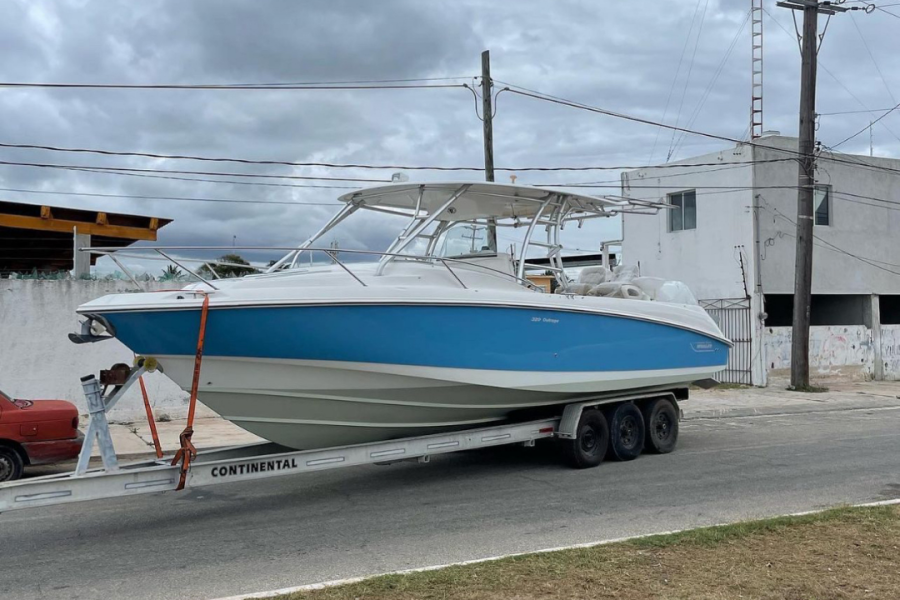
pixel 240 538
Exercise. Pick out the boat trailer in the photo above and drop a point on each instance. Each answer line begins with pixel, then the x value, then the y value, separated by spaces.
pixel 261 460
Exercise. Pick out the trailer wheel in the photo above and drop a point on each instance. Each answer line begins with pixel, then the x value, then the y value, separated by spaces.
pixel 661 420
pixel 11 464
pixel 626 432
pixel 592 439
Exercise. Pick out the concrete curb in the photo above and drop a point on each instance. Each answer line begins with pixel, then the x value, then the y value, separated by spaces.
pixel 339 582
pixel 775 411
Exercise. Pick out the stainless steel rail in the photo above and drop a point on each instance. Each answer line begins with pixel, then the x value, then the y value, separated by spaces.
pixel 116 253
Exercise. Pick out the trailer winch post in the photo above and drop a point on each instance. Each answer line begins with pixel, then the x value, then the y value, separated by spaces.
pixel 98 405
pixel 97 428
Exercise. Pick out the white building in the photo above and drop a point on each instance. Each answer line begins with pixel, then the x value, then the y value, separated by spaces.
pixel 732 240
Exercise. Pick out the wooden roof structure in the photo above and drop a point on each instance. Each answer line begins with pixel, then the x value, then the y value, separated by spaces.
pixel 41 237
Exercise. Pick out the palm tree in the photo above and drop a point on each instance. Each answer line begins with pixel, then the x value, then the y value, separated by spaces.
pixel 172 273
pixel 230 270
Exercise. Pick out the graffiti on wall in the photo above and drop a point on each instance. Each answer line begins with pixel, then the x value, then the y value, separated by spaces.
pixel 890 351
pixel 833 349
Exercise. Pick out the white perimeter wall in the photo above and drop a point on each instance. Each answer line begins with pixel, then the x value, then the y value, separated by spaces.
pixel 838 350
pixel 37 360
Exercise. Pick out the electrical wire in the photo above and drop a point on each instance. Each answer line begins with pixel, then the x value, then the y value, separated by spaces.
pixel 332 165
pixel 866 127
pixel 716 74
pixel 180 172
pixel 570 103
pixel 687 80
pixel 223 87
pixel 834 77
pixel 872 56
pixel 174 198
pixel 684 48
pixel 868 261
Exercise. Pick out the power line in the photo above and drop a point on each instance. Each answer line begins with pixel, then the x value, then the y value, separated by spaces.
pixel 684 48
pixel 343 165
pixel 180 172
pixel 687 80
pixel 175 198
pixel 833 76
pixel 868 261
pixel 562 101
pixel 696 112
pixel 867 127
pixel 223 87
pixel 100 171
pixel 872 56
pixel 854 112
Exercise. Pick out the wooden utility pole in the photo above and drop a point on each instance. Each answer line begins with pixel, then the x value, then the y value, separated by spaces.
pixel 487 118
pixel 487 112
pixel 807 181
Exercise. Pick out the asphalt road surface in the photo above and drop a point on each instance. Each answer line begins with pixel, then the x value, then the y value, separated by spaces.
pixel 240 538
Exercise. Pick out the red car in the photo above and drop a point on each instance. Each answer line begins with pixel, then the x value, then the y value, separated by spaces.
pixel 36 432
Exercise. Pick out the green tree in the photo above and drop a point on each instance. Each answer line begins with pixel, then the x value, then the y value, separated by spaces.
pixel 172 273
pixel 230 270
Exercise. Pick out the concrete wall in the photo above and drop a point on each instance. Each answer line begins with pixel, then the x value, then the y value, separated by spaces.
pixel 704 258
pixel 845 350
pixel 890 351
pixel 38 361
pixel 864 227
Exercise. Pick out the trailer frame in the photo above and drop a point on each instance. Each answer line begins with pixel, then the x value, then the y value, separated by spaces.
pixel 266 459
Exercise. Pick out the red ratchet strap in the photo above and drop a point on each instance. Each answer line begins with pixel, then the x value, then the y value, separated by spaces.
pixel 188 452
pixel 150 420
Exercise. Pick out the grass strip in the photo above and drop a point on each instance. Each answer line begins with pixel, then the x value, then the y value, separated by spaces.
pixel 845 553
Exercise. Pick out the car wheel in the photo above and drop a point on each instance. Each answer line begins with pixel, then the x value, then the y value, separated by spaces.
pixel 11 465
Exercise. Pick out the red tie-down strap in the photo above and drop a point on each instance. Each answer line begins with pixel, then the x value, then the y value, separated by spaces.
pixel 187 452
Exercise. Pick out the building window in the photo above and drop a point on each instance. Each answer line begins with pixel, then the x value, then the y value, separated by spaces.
pixel 822 205
pixel 684 215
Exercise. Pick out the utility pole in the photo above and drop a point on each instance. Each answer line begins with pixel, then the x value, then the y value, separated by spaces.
pixel 487 118
pixel 487 115
pixel 807 181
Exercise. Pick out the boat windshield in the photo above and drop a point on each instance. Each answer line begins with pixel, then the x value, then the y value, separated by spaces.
pixel 466 239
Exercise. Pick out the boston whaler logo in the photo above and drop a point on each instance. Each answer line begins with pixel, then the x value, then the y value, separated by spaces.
pixel 702 347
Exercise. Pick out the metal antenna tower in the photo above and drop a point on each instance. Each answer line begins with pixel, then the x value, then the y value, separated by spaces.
pixel 756 64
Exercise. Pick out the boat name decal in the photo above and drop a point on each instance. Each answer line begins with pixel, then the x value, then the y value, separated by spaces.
pixel 257 467
pixel 702 347
pixel 544 320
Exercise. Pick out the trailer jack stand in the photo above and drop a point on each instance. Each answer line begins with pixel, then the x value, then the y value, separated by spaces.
pixel 99 404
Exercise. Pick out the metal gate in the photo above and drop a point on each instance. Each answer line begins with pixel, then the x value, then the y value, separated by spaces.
pixel 733 317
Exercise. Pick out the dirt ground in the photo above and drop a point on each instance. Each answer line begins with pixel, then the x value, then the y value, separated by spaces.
pixel 840 554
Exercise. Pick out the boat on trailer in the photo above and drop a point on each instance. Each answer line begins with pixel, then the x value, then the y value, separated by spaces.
pixel 443 332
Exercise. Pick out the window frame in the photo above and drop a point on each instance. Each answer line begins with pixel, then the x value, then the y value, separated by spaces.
pixel 681 208
pixel 827 187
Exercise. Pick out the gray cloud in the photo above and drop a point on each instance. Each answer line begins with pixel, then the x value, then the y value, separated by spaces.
pixel 622 56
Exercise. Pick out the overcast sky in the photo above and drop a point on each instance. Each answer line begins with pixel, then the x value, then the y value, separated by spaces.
pixel 625 56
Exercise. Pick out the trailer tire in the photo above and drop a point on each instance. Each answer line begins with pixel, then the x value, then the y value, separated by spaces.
pixel 11 464
pixel 626 431
pixel 588 449
pixel 661 422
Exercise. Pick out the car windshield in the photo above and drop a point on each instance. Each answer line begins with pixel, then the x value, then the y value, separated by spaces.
pixel 466 239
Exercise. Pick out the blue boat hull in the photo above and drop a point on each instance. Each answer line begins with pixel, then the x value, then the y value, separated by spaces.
pixel 318 375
